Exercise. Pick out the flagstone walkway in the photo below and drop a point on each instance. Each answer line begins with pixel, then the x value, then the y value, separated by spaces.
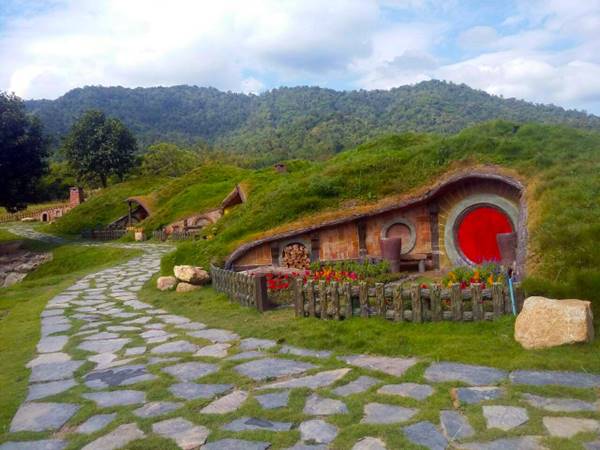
pixel 111 370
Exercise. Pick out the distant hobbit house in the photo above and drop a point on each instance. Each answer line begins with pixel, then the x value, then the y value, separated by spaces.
pixel 469 218
pixel 198 221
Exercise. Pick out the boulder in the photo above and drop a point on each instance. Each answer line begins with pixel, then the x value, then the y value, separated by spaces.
pixel 166 283
pixel 545 322
pixel 191 274
pixel 186 287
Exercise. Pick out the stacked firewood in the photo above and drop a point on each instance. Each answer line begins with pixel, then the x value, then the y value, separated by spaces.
pixel 296 256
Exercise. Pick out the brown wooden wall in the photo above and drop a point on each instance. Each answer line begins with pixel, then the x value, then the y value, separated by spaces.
pixel 341 242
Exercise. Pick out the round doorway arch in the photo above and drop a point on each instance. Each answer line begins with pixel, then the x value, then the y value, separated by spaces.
pixel 472 225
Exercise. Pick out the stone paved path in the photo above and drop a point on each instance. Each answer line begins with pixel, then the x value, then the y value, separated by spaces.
pixel 111 370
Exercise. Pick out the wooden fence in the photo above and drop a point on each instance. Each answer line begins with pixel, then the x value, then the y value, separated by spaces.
pixel 403 302
pixel 244 289
pixel 185 235
pixel 103 235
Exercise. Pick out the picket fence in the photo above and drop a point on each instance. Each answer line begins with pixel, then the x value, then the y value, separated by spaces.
pixel 397 302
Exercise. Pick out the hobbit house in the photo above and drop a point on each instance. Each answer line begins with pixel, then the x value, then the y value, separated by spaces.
pixel 468 218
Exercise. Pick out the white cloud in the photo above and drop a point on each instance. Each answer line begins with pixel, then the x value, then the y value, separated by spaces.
pixel 143 43
pixel 540 50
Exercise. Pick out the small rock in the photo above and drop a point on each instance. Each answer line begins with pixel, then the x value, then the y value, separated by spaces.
pixel 263 369
pixel 186 287
pixel 567 427
pixel 426 435
pixel 251 423
pixel 96 423
pixel 190 371
pixel 504 417
pixel 379 413
pixel 191 274
pixel 154 409
pixel 174 347
pixel 455 426
pixel 289 350
pixel 369 443
pixel 559 404
pixel 42 390
pixel 193 391
pixel 54 371
pixel 118 376
pixel 412 390
pixel 236 444
pixel 251 354
pixel 317 431
pixel 318 406
pixel 474 395
pixel 545 322
pixel 40 416
pixel 45 444
pixel 166 283
pixel 385 364
pixel 116 398
pixel 519 443
pixel 51 344
pixel 550 377
pixel 469 374
pixel 135 351
pixel 215 335
pixel 321 379
pixel 257 344
pixel 229 403
pixel 117 438
pixel 187 435
pixel 214 350
pixel 274 400
pixel 47 358
pixel 361 384
pixel 107 346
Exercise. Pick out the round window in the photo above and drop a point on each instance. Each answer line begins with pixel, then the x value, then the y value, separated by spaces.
pixel 476 233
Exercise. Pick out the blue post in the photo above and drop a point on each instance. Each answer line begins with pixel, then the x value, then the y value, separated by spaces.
pixel 512 295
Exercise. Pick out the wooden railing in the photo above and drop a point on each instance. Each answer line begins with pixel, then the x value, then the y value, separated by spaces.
pixel 184 235
pixel 103 235
pixel 244 289
pixel 403 303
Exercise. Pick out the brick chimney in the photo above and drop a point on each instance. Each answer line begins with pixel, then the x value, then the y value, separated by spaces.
pixel 75 196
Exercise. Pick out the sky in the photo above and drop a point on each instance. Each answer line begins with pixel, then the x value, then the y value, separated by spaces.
pixel 544 51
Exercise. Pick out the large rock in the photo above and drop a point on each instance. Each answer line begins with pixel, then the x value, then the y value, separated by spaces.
pixel 166 283
pixel 545 322
pixel 191 274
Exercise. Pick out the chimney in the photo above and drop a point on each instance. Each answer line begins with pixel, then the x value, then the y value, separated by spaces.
pixel 280 167
pixel 75 196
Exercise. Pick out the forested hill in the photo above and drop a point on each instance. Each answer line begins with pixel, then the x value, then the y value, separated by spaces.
pixel 306 122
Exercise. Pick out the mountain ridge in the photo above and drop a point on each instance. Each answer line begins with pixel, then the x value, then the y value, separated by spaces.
pixel 294 122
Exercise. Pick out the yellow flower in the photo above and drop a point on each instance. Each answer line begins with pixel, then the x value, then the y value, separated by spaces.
pixel 490 279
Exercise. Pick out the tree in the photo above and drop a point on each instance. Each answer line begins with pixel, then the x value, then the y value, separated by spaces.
pixel 98 147
pixel 168 160
pixel 23 149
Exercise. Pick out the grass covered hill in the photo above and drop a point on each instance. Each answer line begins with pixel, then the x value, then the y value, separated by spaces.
pixel 300 122
pixel 560 166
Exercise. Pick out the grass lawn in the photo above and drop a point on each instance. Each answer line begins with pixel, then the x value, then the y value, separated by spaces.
pixel 486 343
pixel 21 305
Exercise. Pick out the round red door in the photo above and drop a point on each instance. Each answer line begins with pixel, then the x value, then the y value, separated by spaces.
pixel 476 233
